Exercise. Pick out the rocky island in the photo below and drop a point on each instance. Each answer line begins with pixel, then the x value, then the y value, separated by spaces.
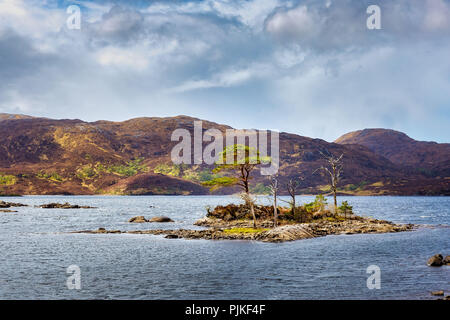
pixel 234 222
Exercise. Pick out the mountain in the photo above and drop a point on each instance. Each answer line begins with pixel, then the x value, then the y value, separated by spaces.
pixel 430 158
pixel 47 156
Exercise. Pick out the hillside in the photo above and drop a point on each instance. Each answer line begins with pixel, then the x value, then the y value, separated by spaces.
pixel 429 158
pixel 46 156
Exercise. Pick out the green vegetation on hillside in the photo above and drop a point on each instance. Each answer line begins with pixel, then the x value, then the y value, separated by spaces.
pixel 193 173
pixel 52 176
pixel 7 180
pixel 129 169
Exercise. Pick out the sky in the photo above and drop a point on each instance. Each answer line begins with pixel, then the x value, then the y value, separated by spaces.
pixel 306 67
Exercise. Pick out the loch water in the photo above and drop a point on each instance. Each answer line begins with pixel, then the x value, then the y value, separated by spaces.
pixel 36 248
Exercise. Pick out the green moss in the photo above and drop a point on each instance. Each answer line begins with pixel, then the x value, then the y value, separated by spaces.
pixel 334 219
pixel 244 230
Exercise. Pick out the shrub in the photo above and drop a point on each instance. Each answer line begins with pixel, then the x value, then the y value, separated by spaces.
pixel 167 170
pixel 7 180
pixel 345 208
pixel 318 204
pixel 129 169
pixel 86 172
pixel 53 176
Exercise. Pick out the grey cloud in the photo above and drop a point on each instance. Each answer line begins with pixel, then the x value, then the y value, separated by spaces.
pixel 319 78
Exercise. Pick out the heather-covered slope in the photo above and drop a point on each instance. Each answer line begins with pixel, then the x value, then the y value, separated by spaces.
pixel 45 156
pixel 430 158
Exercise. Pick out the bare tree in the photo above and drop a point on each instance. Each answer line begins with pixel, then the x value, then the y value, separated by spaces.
pixel 334 170
pixel 274 191
pixel 291 187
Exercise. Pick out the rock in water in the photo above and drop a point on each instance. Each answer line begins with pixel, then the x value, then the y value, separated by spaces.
pixel 447 260
pixel 4 204
pixel 138 219
pixel 436 261
pixel 160 219
pixel 65 205
pixel 437 293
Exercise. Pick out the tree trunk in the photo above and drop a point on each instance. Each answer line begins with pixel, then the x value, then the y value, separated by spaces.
pixel 293 205
pixel 335 201
pixel 275 213
pixel 252 210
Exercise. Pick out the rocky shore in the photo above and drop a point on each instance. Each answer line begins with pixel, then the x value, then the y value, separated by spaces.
pixel 242 230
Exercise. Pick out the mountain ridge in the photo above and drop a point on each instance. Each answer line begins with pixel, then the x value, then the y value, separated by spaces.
pixel 71 156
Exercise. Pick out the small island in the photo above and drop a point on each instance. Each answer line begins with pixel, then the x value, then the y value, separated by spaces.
pixel 270 223
pixel 235 222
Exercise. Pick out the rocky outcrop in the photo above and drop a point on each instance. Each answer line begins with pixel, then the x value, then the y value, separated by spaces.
pixel 4 204
pixel 242 230
pixel 286 233
pixel 141 219
pixel 65 205
pixel 437 293
pixel 435 261
pixel 242 223
pixel 6 210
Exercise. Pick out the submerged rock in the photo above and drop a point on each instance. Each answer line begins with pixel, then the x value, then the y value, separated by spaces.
pixel 138 219
pixel 436 261
pixel 160 219
pixel 64 206
pixel 141 219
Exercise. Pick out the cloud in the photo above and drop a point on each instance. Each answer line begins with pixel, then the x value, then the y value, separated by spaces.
pixel 294 23
pixel 308 66
pixel 437 16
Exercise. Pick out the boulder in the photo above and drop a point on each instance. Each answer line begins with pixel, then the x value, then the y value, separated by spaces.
pixel 171 236
pixel 436 261
pixel 446 260
pixel 138 219
pixel 437 293
pixel 160 219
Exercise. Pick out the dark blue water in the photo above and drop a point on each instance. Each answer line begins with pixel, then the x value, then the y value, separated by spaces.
pixel 36 251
